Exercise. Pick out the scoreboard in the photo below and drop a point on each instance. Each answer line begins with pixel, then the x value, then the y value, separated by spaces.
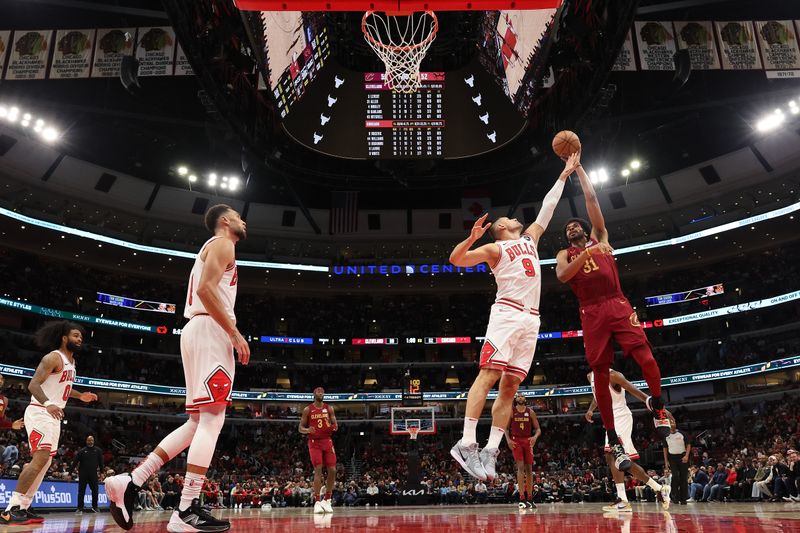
pixel 404 125
pixel 355 115
pixel 412 391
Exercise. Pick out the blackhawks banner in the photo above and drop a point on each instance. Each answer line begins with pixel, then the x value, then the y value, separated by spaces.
pixel 72 54
pixel 737 42
pixel 111 46
pixel 29 51
pixel 778 40
pixel 625 59
pixel 156 51
pixel 698 39
pixel 656 45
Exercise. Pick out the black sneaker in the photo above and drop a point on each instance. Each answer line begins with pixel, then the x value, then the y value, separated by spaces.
pixel 661 422
pixel 33 517
pixel 14 517
pixel 195 518
pixel 530 504
pixel 122 495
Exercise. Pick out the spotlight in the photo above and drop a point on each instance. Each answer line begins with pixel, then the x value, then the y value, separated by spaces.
pixel 771 122
pixel 212 176
pixel 25 123
pixel 625 172
pixel 39 126
pixel 602 175
pixel 224 178
pixel 636 164
pixel 182 171
pixel 26 116
pixel 233 184
pixel 593 177
pixel 192 178
pixel 50 135
pixel 3 111
pixel 13 114
pixel 224 185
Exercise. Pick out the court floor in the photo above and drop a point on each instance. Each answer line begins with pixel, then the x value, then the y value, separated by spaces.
pixel 548 518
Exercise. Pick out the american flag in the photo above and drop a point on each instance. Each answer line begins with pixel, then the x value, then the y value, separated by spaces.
pixel 344 212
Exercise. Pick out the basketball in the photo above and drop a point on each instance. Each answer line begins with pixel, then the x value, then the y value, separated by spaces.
pixel 566 143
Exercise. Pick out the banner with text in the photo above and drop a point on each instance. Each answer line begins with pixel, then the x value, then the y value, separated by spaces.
pixel 72 54
pixel 5 44
pixel 111 46
pixel 698 39
pixel 156 51
pixel 29 51
pixel 737 41
pixel 55 495
pixel 626 61
pixel 778 41
pixel 656 43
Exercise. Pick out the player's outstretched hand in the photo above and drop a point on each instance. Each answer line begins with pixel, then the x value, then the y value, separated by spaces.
pixel 56 412
pixel 572 162
pixel 241 347
pixel 479 228
pixel 18 424
pixel 602 248
pixel 87 397
pixel 589 416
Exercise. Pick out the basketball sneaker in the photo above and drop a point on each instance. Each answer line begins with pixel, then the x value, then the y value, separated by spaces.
pixel 488 458
pixel 122 493
pixel 326 506
pixel 619 506
pixel 195 518
pixel 33 518
pixel 662 497
pixel 14 517
pixel 530 504
pixel 661 421
pixel 621 459
pixel 522 506
pixel 318 509
pixel 469 459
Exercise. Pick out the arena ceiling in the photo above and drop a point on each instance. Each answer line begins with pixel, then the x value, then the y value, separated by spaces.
pixel 148 132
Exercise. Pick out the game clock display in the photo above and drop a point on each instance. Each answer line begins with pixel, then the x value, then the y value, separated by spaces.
pixel 355 115
pixel 412 392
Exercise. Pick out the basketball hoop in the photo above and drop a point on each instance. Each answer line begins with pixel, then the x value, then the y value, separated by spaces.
pixel 401 40
pixel 413 432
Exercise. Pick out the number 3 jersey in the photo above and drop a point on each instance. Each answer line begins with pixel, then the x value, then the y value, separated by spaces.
pixel 597 279
pixel 518 274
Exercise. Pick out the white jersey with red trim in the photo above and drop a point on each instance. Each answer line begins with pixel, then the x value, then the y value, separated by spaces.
pixel 619 403
pixel 518 274
pixel 227 287
pixel 58 385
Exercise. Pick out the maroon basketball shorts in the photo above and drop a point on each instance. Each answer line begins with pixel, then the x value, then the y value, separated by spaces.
pixel 607 320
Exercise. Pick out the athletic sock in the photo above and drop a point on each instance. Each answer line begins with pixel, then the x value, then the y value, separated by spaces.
pixel 621 491
pixel 146 468
pixel 192 485
pixel 656 402
pixel 317 497
pixel 26 502
pixel 328 495
pixel 470 428
pixel 653 484
pixel 495 436
pixel 16 500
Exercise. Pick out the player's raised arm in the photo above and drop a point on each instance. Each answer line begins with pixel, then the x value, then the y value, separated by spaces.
pixel 303 426
pixel 462 256
pixel 599 231
pixel 49 364
pixel 616 378
pixel 552 198
pixel 219 255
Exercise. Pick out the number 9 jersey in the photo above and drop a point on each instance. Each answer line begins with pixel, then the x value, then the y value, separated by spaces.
pixel 518 274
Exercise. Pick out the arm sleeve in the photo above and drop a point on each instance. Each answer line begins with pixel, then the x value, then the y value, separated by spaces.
pixel 549 204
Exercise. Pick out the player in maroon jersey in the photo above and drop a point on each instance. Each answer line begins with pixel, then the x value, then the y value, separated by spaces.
pixel 6 423
pixel 589 267
pixel 521 441
pixel 319 423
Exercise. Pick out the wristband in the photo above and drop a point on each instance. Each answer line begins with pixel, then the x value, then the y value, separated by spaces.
pixel 648 404
pixel 48 403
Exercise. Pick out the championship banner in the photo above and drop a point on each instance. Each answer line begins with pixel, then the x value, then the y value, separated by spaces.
pixel 778 41
pixel 110 47
pixel 29 51
pixel 5 40
pixel 698 39
pixel 737 41
pixel 625 61
pixel 182 66
pixel 656 45
pixel 72 55
pixel 156 51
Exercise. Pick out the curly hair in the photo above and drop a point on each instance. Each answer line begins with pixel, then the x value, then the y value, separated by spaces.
pixel 48 337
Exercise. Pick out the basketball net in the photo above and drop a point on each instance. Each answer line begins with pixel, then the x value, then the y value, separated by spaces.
pixel 413 432
pixel 401 41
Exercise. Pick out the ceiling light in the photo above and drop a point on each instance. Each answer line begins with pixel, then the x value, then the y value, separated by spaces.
pixel 25 123
pixel 50 134
pixel 593 176
pixel 26 116
pixel 224 185
pixel 3 111
pixel 182 171
pixel 771 121
pixel 212 177
pixel 233 185
pixel 602 175
pixel 625 172
pixel 224 178
pixel 636 164
pixel 192 178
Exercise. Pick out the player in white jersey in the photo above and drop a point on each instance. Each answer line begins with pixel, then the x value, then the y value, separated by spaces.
pixel 513 327
pixel 208 342
pixel 50 388
pixel 623 423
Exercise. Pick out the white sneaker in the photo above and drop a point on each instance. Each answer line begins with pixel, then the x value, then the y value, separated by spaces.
pixel 620 507
pixel 318 509
pixel 489 461
pixel 663 497
pixel 326 506
pixel 367 505
pixel 469 459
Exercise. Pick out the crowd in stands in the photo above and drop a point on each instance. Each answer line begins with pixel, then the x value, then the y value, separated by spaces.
pixel 743 452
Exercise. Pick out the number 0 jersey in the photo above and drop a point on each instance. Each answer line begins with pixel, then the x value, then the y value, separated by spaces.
pixel 518 274
pixel 58 385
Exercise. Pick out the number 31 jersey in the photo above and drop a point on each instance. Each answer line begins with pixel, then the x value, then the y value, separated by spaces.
pixel 597 279
pixel 518 274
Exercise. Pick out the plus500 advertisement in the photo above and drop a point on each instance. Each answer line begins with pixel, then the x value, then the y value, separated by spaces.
pixel 54 495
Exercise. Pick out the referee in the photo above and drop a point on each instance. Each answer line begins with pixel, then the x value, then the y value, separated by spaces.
pixel 676 455
pixel 88 461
